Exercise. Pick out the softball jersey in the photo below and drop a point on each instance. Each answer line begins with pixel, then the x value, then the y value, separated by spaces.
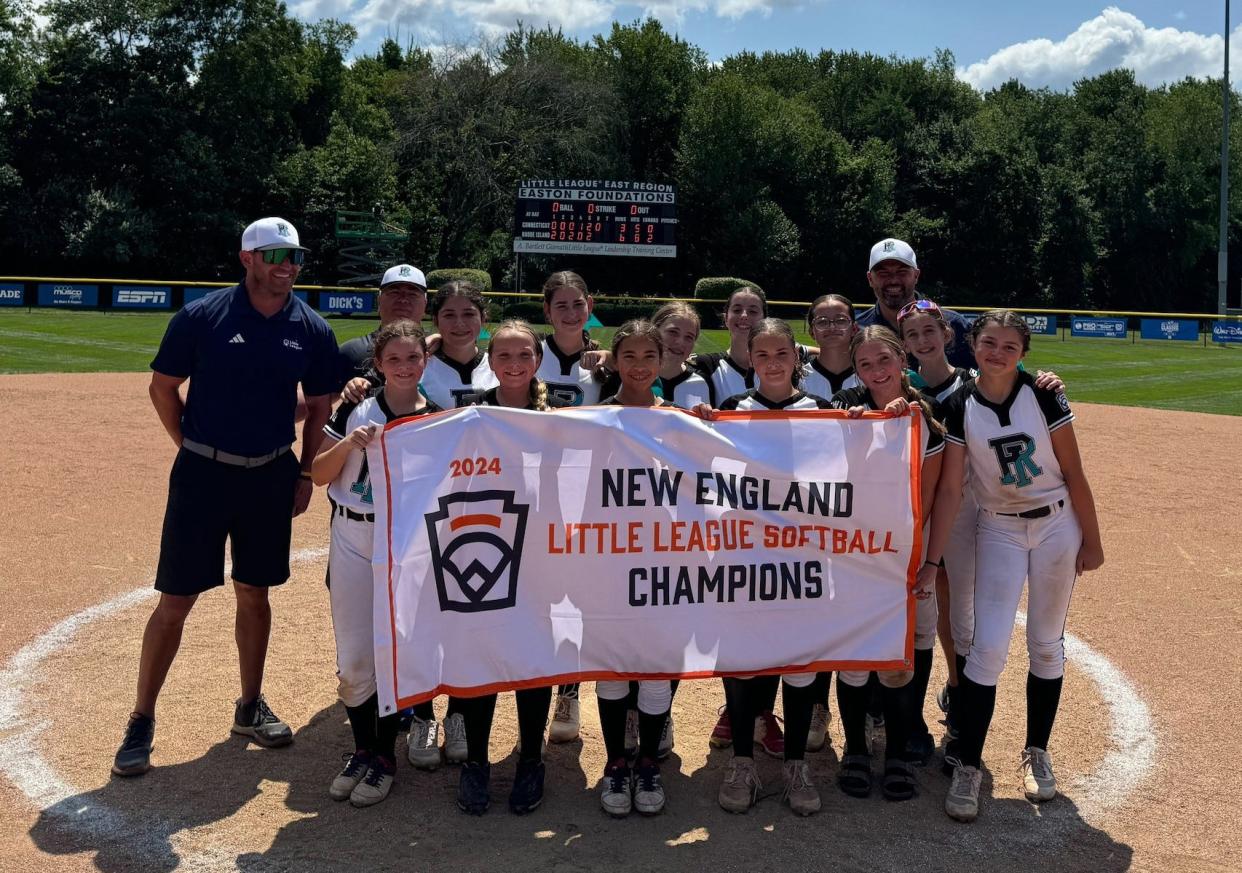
pixel 352 488
pixel 1009 444
pixel 566 378
pixel 686 390
pixel 752 400
pixel 728 378
pixel 959 377
pixel 822 382
pixel 447 382
pixel 488 398
pixel 933 442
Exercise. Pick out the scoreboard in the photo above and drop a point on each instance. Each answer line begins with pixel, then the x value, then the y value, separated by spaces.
pixel 596 217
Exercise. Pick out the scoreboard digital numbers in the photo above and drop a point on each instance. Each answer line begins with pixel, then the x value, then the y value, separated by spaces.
pixel 596 217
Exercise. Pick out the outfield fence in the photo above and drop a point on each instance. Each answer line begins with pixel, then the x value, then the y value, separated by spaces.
pixel 148 295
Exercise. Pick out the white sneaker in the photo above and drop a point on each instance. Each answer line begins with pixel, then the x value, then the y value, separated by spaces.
pixel 817 736
pixel 648 788
pixel 962 801
pixel 375 786
pixel 424 744
pixel 565 720
pixel 666 739
pixel 1037 780
pixel 617 793
pixel 631 733
pixel 455 751
pixel 353 772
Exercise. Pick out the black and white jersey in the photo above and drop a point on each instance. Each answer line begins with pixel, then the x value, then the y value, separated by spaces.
pixel 933 442
pixel 445 381
pixel 727 376
pixel 687 390
pixel 566 378
pixel 488 398
pixel 822 382
pixel 959 377
pixel 352 488
pixel 1009 444
pixel 752 401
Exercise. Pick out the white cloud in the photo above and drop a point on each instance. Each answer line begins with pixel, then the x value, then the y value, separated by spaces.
pixel 675 10
pixel 1111 40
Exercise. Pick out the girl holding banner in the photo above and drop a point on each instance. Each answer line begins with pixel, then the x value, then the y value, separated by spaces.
pixel 880 360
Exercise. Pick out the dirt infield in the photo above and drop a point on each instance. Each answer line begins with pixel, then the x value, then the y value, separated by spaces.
pixel 1144 745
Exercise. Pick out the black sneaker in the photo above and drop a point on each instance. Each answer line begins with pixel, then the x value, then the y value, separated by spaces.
pixel 472 787
pixel 133 758
pixel 919 749
pixel 527 791
pixel 257 721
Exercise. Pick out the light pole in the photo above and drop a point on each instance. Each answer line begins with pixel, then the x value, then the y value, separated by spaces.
pixel 1222 257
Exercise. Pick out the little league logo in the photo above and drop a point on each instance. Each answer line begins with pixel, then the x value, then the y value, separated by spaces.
pixel 476 550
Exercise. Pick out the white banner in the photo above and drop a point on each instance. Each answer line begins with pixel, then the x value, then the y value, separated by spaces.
pixel 518 549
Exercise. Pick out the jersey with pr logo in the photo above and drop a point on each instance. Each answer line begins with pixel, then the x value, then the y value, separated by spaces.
pixel 446 383
pixel 566 378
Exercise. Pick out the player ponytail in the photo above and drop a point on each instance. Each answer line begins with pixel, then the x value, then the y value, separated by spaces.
pixel 778 327
pixel 878 333
pixel 538 391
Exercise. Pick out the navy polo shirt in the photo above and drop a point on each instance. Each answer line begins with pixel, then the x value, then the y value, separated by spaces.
pixel 244 369
pixel 959 354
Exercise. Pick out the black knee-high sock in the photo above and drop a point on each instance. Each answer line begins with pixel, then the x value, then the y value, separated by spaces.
pixel 649 729
pixel 974 705
pixel 631 699
pixel 823 687
pixel 673 689
pixel 362 723
pixel 424 711
pixel 532 710
pixel 570 690
pixel 852 707
pixel 899 707
pixel 918 693
pixel 798 705
pixel 386 730
pixel 960 661
pixel 765 691
pixel 477 713
pixel 739 698
pixel 1043 696
pixel 875 695
pixel 612 725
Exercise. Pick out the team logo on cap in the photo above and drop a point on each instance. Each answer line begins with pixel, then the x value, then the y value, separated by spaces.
pixel 404 271
pixel 282 228
pixel 890 245
pixel 476 550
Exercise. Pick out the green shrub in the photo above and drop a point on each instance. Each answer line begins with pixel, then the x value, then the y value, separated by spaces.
pixel 479 278
pixel 719 287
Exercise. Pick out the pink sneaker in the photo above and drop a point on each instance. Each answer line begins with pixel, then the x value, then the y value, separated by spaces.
pixel 722 733
pixel 769 736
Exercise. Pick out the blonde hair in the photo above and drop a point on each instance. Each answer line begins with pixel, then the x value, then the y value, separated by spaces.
pixel 538 390
pixel 878 333
pixel 676 309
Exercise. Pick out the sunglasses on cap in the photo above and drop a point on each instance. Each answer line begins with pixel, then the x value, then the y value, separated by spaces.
pixel 278 256
pixel 915 306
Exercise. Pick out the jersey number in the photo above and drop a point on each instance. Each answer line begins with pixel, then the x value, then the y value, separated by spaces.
pixel 1016 456
pixel 362 485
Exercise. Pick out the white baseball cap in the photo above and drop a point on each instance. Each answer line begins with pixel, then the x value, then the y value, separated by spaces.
pixel 270 233
pixel 892 250
pixel 404 273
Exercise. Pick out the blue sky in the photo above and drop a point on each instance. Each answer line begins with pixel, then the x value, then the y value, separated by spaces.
pixel 1050 42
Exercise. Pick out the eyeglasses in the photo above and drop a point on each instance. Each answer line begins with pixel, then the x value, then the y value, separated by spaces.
pixel 917 306
pixel 840 322
pixel 279 256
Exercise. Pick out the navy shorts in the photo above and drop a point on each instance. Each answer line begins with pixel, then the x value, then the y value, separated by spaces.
pixel 208 502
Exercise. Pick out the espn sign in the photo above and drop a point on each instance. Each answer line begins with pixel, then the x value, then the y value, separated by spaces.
pixel 141 296
pixel 12 294
pixel 345 302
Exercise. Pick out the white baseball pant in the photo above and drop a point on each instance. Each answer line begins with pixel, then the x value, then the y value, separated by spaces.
pixel 959 566
pixel 349 567
pixel 655 696
pixel 1011 551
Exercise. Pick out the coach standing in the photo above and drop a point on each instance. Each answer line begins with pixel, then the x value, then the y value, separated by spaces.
pixel 245 350
pixel 893 274
pixel 402 295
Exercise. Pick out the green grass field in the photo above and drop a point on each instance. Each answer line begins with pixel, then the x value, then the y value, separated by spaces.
pixel 1163 375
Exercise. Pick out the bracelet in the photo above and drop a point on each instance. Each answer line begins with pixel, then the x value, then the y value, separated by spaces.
pixel 932 563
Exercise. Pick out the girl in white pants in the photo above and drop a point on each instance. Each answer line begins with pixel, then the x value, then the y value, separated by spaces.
pixel 400 355
pixel 1037 526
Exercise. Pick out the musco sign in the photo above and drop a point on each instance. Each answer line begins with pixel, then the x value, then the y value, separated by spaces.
pixel 519 548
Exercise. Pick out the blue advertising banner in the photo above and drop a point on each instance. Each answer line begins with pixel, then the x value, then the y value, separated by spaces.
pixel 1170 329
pixel 12 293
pixel 1043 324
pixel 344 301
pixel 1113 328
pixel 68 295
pixel 192 293
pixel 1227 331
pixel 141 296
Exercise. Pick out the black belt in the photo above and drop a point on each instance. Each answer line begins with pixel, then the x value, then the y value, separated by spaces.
pixel 1041 512
pixel 346 512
